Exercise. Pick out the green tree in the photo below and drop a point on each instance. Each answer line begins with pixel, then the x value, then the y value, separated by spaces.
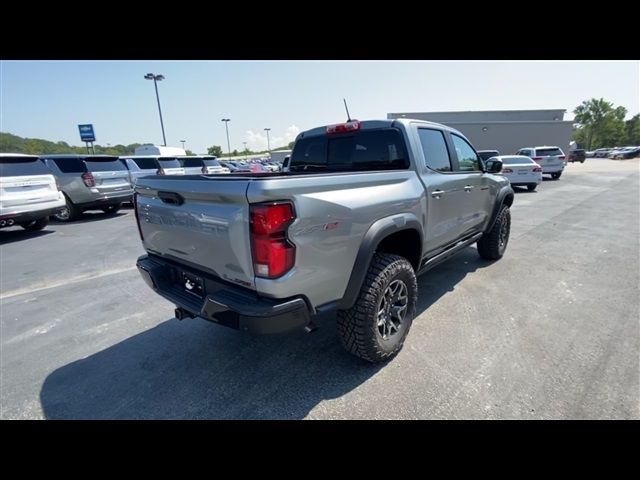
pixel 215 150
pixel 189 152
pixel 602 124
pixel 290 146
pixel 235 153
pixel 632 127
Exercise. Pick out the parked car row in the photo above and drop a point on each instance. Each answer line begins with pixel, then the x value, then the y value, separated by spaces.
pixel 616 152
pixel 526 167
pixel 63 186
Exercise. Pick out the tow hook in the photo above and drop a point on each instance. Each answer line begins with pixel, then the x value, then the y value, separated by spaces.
pixel 181 314
pixel 311 327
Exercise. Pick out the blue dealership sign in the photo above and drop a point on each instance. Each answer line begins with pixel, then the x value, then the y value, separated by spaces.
pixel 86 133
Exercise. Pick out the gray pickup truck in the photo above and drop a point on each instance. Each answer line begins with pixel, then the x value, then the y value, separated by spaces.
pixel 364 208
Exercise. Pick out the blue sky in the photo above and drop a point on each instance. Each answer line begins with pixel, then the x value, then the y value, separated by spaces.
pixel 48 99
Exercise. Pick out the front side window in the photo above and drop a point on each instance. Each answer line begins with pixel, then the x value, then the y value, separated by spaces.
pixel 468 161
pixel 434 147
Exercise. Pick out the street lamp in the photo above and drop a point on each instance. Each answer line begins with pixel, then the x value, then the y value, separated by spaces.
pixel 156 79
pixel 268 144
pixel 182 141
pixel 226 125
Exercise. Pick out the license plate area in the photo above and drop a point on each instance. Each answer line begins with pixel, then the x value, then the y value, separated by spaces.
pixel 193 284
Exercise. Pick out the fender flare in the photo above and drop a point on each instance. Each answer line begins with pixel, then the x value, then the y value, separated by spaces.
pixel 378 231
pixel 500 199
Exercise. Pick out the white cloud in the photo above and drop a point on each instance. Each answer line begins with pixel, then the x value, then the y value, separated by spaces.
pixel 257 141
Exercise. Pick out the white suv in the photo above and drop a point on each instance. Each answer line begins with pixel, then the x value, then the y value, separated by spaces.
pixel 28 192
pixel 551 159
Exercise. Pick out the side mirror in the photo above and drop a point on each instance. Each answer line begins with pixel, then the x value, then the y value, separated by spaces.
pixel 493 166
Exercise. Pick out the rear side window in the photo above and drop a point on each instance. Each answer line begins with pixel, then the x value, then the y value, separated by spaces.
pixel 21 166
pixel 436 154
pixel 468 161
pixel 106 165
pixel 170 163
pixel 191 162
pixel 70 165
pixel 546 152
pixel 366 150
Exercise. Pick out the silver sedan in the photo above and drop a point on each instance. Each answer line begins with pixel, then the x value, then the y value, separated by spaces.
pixel 521 171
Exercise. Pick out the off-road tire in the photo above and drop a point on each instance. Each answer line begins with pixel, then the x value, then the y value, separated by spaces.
pixel 358 326
pixel 492 245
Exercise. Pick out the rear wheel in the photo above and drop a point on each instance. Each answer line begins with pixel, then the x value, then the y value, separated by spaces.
pixel 67 213
pixel 531 187
pixel 493 243
pixel 581 161
pixel 375 328
pixel 36 224
pixel 112 209
pixel 556 175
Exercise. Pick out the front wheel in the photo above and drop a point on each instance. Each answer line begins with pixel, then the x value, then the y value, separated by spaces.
pixel 493 243
pixel 36 224
pixel 375 328
pixel 556 175
pixel 112 209
pixel 531 187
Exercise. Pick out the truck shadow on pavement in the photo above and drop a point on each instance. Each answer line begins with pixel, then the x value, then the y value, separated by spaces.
pixel 195 370
pixel 9 236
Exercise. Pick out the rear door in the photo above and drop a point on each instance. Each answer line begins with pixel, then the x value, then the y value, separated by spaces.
pixel 25 181
pixel 203 222
pixel 110 174
pixel 445 193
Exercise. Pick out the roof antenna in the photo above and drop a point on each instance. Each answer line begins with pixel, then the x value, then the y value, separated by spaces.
pixel 347 109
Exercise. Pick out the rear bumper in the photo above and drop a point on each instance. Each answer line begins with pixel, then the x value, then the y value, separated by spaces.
pixel 553 168
pixel 109 199
pixel 24 217
pixel 223 303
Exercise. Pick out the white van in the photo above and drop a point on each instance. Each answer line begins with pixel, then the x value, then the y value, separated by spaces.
pixel 150 149
pixel 28 192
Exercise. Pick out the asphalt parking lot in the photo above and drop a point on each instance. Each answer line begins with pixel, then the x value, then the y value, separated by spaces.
pixel 551 331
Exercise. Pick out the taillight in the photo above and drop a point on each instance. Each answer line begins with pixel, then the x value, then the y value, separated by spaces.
pixel 135 214
pixel 506 170
pixel 344 127
pixel 561 157
pixel 537 159
pixel 160 172
pixel 537 169
pixel 273 255
pixel 88 179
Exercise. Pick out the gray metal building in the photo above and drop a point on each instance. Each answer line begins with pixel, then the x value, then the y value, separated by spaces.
pixel 504 130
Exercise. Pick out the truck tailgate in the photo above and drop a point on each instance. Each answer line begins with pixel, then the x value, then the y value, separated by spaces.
pixel 199 221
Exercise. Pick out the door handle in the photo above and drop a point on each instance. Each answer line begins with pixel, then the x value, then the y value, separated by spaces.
pixel 437 193
pixel 468 188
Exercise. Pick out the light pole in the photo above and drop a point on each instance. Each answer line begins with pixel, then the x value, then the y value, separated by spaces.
pixel 268 144
pixel 226 125
pixel 182 141
pixel 156 79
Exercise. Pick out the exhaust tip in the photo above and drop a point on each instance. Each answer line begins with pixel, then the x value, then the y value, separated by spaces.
pixel 181 314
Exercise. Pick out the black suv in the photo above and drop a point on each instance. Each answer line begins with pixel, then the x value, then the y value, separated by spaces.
pixel 577 155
